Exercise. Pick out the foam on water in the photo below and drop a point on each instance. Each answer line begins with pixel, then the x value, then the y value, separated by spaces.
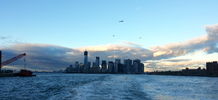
pixel 107 87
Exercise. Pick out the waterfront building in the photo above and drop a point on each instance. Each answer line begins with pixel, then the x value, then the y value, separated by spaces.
pixel 136 66
pixel 104 66
pixel 110 66
pixel 127 65
pixel 97 61
pixel 95 68
pixel 77 66
pixel 70 69
pixel 141 68
pixel 85 58
pixel 117 62
pixel 81 67
pixel 212 68
pixel 120 68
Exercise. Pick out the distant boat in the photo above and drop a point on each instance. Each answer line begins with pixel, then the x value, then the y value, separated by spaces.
pixel 9 73
pixel 22 73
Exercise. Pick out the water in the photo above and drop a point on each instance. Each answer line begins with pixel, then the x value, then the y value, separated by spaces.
pixel 108 87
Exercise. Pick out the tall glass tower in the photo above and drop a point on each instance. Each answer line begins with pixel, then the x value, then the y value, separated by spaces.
pixel 97 61
pixel 86 58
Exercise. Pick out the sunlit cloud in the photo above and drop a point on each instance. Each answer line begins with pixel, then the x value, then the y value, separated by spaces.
pixel 192 53
pixel 208 43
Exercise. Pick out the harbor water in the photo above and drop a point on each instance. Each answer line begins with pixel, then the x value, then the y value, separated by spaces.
pixel 60 86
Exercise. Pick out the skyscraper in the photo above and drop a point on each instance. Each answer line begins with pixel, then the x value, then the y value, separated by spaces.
pixel 127 65
pixel 111 67
pixel 104 66
pixel 136 66
pixel 97 61
pixel 117 62
pixel 85 58
pixel 141 70
pixel 77 66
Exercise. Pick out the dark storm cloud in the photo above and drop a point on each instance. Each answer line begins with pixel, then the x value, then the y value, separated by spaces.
pixel 51 57
pixel 122 51
pixel 47 57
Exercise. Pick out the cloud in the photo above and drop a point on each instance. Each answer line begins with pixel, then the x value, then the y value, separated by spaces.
pixel 153 65
pixel 164 56
pixel 123 50
pixel 52 57
pixel 178 49
pixel 41 56
pixel 208 43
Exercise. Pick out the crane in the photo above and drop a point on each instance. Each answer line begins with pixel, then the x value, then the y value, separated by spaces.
pixel 10 60
pixel 22 72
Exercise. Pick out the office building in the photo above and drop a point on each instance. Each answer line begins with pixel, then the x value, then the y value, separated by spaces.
pixel 111 67
pixel 97 61
pixel 136 66
pixel 104 66
pixel 85 58
pixel 127 65
pixel 212 68
pixel 117 62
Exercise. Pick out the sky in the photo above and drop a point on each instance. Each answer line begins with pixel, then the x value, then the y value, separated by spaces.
pixel 155 29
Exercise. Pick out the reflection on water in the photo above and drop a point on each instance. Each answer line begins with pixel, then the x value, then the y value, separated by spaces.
pixel 107 87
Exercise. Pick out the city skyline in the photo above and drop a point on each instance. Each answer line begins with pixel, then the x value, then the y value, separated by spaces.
pixel 114 66
pixel 164 35
pixel 108 50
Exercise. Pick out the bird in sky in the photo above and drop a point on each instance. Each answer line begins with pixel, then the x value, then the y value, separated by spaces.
pixel 121 21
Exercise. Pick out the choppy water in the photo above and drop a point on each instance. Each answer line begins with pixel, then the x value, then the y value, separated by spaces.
pixel 108 87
